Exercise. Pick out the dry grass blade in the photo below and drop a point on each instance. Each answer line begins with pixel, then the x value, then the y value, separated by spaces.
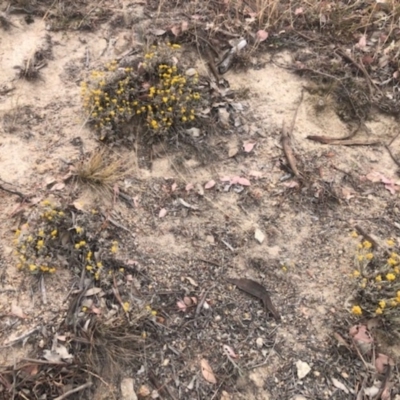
pixel 101 171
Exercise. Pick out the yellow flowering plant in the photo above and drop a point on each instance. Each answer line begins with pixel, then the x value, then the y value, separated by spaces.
pixel 156 93
pixel 377 281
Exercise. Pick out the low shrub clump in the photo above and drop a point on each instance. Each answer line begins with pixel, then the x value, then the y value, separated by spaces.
pixel 152 91
pixel 378 282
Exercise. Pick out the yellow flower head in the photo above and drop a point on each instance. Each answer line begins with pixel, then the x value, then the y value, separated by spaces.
pixel 382 304
pixel 378 311
pixel 378 278
pixel 369 256
pixel 392 261
pixel 356 273
pixel 356 310
pixel 390 277
pixel 367 245
pixel 390 242
pixel 354 234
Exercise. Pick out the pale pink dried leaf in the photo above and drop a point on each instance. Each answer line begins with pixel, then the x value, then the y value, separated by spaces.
pixel 391 188
pixel 173 187
pixel 229 350
pixel 261 35
pixel 162 213
pixel 243 181
pixel 189 187
pixel 291 184
pixel 234 180
pixel 181 306
pixel 249 146
pixel 209 184
pixel 298 11
pixel 362 42
pixel 207 371
pixel 374 176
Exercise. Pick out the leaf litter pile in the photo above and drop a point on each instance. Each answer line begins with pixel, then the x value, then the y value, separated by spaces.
pixel 181 323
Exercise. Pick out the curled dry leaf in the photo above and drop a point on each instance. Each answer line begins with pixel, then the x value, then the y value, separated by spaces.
pixel 228 350
pixel 209 184
pixel 340 385
pixel 207 371
pixel 162 213
pixel 173 187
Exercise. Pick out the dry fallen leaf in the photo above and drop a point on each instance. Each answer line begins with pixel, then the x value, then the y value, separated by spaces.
pixel 229 351
pixel 181 306
pixel 209 184
pixel 362 43
pixel 361 338
pixel 255 174
pixel 176 30
pixel 207 371
pixel 340 385
pixel 249 146
pixel 58 186
pixel 189 187
pixel 381 362
pixel 162 213
pixel 17 311
pixel 173 187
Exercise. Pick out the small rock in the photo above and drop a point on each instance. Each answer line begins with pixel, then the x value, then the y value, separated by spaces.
pixel 259 236
pixel 127 392
pixel 303 369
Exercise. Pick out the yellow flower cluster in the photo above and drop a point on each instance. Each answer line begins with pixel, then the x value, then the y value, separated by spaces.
pixel 116 95
pixel 171 99
pixel 380 284
pixel 33 246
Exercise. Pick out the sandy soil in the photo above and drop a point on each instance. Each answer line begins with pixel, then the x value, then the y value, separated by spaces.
pixel 307 230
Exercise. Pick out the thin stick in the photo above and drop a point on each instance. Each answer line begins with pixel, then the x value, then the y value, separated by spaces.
pixel 203 299
pixel 366 236
pixel 286 141
pixel 72 391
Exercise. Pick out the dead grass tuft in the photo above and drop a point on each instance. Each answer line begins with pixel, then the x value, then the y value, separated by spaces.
pixel 101 171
